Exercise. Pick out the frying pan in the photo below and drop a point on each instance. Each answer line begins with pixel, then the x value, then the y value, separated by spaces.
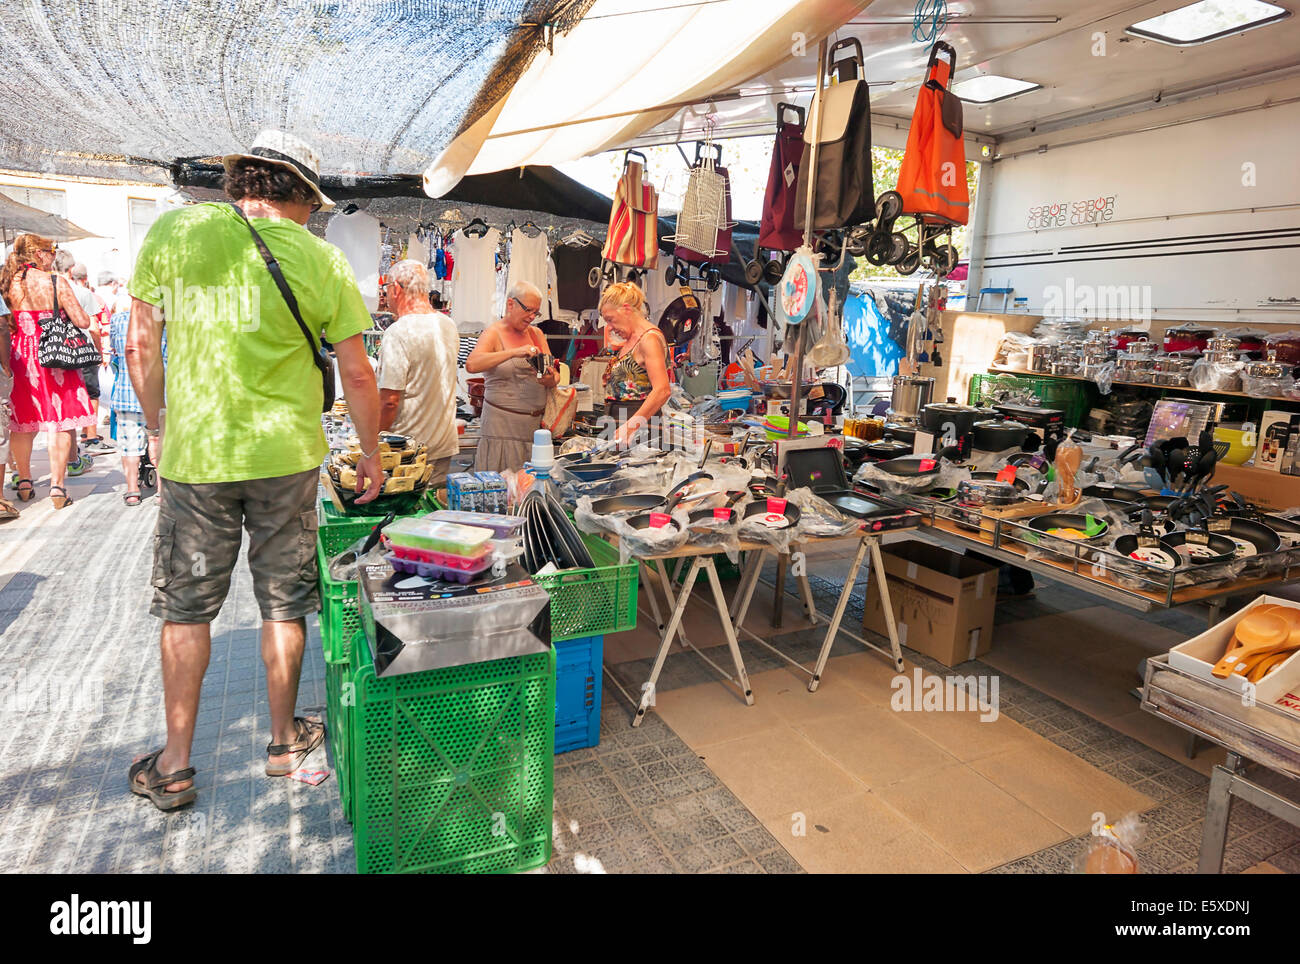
pixel 1222 548
pixel 575 548
pixel 1121 493
pixel 909 466
pixel 1068 520
pixel 700 516
pixel 679 493
pixel 1158 557
pixel 1020 484
pixel 760 487
pixel 1257 534
pixel 627 503
pixel 759 507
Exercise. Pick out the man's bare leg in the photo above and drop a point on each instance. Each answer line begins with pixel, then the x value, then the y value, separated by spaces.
pixel 186 648
pixel 282 647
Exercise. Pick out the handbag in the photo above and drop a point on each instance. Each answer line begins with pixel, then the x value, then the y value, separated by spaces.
pixel 318 353
pixel 63 344
pixel 845 192
pixel 633 218
pixel 932 178
pixel 561 406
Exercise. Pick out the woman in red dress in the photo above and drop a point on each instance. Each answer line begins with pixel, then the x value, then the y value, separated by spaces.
pixel 52 400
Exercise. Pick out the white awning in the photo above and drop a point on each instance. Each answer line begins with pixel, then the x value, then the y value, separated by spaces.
pixel 627 66
pixel 17 218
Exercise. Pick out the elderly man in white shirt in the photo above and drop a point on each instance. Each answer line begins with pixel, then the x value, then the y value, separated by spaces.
pixel 417 368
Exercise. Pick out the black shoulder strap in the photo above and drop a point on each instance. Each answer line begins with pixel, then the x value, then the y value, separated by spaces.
pixel 54 283
pixel 274 267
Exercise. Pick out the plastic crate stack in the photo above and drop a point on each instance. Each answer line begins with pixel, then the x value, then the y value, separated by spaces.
pixel 1067 396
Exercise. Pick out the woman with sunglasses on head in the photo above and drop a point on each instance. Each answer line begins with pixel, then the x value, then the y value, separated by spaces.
pixel 52 400
pixel 514 392
pixel 636 384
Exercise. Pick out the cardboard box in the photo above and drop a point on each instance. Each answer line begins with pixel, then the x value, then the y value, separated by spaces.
pixel 943 602
pixel 1198 655
pixel 1279 442
pixel 1260 485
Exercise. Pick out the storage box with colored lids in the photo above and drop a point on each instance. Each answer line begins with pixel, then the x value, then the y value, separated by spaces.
pixel 943 602
pixel 448 537
pixel 414 623
pixel 502 526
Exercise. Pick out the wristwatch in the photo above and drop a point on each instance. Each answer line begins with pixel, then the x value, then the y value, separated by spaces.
pixel 150 432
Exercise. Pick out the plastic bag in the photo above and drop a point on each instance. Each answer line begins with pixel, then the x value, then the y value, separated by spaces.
pixel 1105 377
pixel 633 543
pixel 1013 350
pixel 1208 376
pixel 1259 387
pixel 1113 848
pixel 818 518
pixel 888 484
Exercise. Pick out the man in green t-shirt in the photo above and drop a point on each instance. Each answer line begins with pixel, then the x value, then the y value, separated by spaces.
pixel 243 442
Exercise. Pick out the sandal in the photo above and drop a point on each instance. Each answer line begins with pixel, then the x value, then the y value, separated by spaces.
pixel 154 785
pixel 8 510
pixel 60 501
pixel 24 495
pixel 131 498
pixel 311 734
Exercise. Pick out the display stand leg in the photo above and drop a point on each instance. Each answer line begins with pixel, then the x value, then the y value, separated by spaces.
pixel 742 609
pixel 670 596
pixel 809 607
pixel 882 583
pixel 1217 810
pixel 742 678
pixel 833 629
pixel 648 689
pixel 648 591
pixel 748 578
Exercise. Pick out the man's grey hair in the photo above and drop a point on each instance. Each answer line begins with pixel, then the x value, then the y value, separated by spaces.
pixel 63 261
pixel 78 272
pixel 521 288
pixel 106 278
pixel 411 276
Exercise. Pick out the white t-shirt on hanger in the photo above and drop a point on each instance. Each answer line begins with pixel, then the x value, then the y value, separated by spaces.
pixel 474 278
pixel 417 250
pixel 357 236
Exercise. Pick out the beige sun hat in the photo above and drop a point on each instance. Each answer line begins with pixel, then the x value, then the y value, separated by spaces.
pixel 285 150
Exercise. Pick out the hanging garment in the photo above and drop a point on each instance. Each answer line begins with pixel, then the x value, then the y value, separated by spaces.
pixel 528 262
pixel 440 264
pixel 572 266
pixel 552 309
pixel 633 218
pixel 778 230
pixel 475 281
pixel 932 179
pixel 845 194
pixel 416 249
pixel 357 236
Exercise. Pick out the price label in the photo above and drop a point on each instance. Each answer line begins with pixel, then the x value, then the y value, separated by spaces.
pixel 927 464
pixel 659 519
pixel 1007 474
pixel 776 506
pixel 722 515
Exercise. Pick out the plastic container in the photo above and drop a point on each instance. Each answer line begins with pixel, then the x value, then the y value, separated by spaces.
pixel 464 492
pixel 502 526
pixel 451 770
pixel 447 537
pixel 543 449
pixel 577 692
pixel 585 602
pixel 448 569
pixel 494 494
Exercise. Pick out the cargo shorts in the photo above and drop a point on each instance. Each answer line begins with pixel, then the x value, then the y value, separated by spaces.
pixel 199 533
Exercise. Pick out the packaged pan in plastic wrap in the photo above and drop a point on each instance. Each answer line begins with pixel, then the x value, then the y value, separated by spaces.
pixel 818 518
pixel 1215 376
pixel 942 474
pixel 1113 849
pixel 1260 387
pixel 771 520
pixel 636 541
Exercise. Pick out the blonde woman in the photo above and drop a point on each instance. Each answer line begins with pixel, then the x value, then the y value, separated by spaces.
pixel 50 400
pixel 636 384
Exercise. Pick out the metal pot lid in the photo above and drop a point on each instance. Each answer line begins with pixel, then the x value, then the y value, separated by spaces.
pixel 1008 424
pixel 952 407
pixel 888 445
pixel 1267 369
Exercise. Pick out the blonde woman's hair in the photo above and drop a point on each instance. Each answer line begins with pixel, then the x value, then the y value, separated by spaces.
pixel 625 294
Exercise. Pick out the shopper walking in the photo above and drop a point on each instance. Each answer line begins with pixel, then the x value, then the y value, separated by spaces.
pixel 7 509
pixel 133 441
pixel 514 396
pixel 417 369
pixel 66 267
pixel 51 400
pixel 242 443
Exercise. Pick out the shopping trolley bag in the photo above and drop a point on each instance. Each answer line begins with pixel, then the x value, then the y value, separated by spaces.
pixel 845 192
pixel 932 179
pixel 634 218
pixel 778 230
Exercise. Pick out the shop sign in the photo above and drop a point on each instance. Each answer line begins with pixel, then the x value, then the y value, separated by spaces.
pixel 1059 214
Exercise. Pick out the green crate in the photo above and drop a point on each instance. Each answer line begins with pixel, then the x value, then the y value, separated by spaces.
pixel 327 515
pixel 452 769
pixel 1071 397
pixel 592 602
pixel 340 696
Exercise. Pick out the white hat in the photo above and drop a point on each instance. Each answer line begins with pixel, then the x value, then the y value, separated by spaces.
pixel 285 150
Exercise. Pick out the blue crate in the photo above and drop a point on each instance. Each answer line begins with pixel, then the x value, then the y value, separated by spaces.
pixel 577 692
pixel 734 400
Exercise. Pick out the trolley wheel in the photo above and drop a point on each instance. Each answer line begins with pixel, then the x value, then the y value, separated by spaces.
pixel 948 259
pixel 753 272
pixel 713 277
pixel 774 270
pixel 897 247
pixel 148 478
pixel 888 208
pixel 879 248
pixel 910 261
pixel 670 274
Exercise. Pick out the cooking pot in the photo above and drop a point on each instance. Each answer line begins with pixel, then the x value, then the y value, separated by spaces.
pixel 901 432
pixel 1171 370
pixel 1287 346
pixel 1271 367
pixel 996 435
pixel 1188 337
pixel 1127 336
pixel 910 395
pixel 888 448
pixel 936 416
pixel 1134 366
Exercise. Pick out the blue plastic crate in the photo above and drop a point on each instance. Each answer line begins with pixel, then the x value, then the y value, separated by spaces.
pixel 577 692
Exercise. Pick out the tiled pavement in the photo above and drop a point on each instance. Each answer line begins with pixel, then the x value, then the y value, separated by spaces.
pixel 74 625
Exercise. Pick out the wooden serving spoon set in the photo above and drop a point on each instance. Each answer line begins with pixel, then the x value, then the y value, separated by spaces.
pixel 1265 637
